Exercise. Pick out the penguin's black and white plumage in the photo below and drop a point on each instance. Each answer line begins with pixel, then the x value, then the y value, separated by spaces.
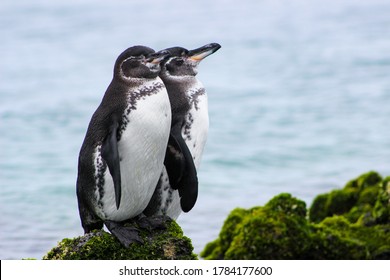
pixel 123 152
pixel 177 189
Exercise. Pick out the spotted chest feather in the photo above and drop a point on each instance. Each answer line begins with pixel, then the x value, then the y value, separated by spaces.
pixel 100 169
pixel 194 97
pixel 142 93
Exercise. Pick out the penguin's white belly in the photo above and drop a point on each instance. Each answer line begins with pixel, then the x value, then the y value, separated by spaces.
pixel 195 135
pixel 198 122
pixel 142 150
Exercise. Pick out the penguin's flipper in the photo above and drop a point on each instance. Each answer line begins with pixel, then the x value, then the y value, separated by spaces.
pixel 187 184
pixel 174 161
pixel 125 234
pixel 111 155
pixel 189 191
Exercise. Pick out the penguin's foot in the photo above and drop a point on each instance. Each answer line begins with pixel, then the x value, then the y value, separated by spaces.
pixel 153 222
pixel 125 234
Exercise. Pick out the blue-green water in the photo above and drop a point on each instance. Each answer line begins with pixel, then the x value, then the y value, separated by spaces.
pixel 299 99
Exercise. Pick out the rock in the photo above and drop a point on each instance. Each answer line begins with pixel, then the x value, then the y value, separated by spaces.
pixel 374 240
pixel 352 223
pixel 364 199
pixel 167 244
pixel 279 229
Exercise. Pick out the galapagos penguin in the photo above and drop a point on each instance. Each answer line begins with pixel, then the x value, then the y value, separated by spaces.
pixel 123 152
pixel 177 189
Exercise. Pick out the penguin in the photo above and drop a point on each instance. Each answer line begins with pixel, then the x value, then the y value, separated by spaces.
pixel 123 152
pixel 177 189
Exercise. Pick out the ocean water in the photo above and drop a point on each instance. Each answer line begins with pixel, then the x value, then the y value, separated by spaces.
pixel 299 101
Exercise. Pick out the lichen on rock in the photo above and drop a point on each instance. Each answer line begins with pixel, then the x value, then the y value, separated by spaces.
pixel 161 244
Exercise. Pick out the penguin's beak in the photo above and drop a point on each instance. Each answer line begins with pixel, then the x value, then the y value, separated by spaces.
pixel 203 52
pixel 157 57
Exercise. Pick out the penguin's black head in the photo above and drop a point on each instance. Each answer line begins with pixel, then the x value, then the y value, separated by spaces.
pixel 138 62
pixel 183 62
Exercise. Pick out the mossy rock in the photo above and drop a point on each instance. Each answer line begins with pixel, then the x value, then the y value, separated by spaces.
pixel 278 236
pixel 383 253
pixel 365 180
pixel 168 244
pixel 229 230
pixel 361 213
pixel 318 209
pixel 368 196
pixel 381 209
pixel 276 231
pixel 364 199
pixel 281 230
pixel 333 241
pixel 287 205
pixel 374 238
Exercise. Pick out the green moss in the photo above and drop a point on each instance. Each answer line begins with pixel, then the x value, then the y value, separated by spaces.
pixel 360 213
pixel 336 202
pixel 381 210
pixel 280 236
pixel 341 201
pixel 318 210
pixel 213 251
pixel 363 199
pixel 333 242
pixel 286 204
pixel 100 245
pixel 365 180
pixel 383 253
pixel 368 195
pixel 367 221
pixel 372 237
pixel 329 245
pixel 276 231
pixel 229 229
pixel 351 223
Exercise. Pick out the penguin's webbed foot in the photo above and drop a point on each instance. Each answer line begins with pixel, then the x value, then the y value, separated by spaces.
pixel 125 234
pixel 153 222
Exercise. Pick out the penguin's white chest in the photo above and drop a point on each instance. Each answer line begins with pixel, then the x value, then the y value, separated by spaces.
pixel 197 125
pixel 141 149
pixel 194 133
